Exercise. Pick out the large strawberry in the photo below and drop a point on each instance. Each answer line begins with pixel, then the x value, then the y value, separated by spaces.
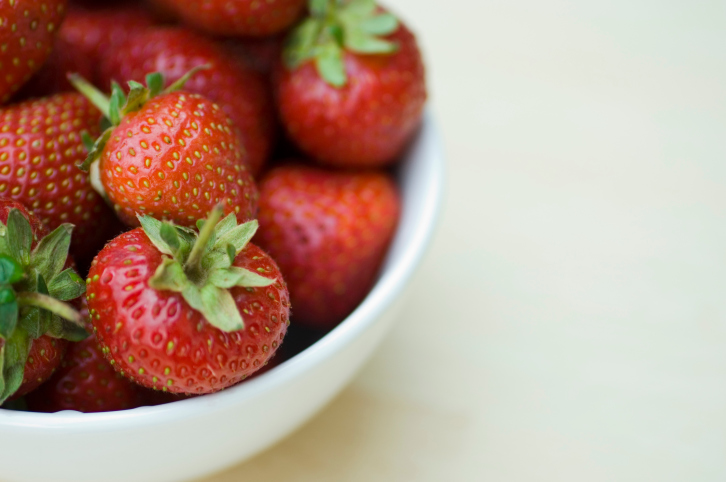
pixel 168 154
pixel 86 382
pixel 253 18
pixel 40 145
pixel 242 93
pixel 168 305
pixel 328 231
pixel 352 91
pixel 34 284
pixel 27 31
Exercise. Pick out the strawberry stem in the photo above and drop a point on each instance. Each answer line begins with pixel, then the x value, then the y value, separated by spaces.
pixel 179 84
pixel 194 261
pixel 57 307
pixel 97 98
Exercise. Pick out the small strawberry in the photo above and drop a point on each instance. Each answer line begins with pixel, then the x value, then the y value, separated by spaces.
pixel 34 284
pixel 86 382
pixel 40 145
pixel 44 357
pixel 167 304
pixel 244 18
pixel 168 154
pixel 242 93
pixel 27 31
pixel 352 91
pixel 328 231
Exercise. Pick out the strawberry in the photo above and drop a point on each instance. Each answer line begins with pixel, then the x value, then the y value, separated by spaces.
pixel 328 231
pixel 168 154
pixel 242 93
pixel 238 17
pixel 40 144
pixel 167 304
pixel 27 31
pixel 44 357
pixel 96 33
pixel 51 78
pixel 86 382
pixel 33 287
pixel 352 99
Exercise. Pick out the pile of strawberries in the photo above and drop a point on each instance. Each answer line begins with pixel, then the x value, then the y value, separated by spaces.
pixel 219 169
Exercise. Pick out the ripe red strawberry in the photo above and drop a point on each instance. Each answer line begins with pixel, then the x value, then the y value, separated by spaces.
pixel 168 306
pixel 353 103
pixel 86 382
pixel 238 17
pixel 44 357
pixel 242 93
pixel 27 31
pixel 51 78
pixel 328 231
pixel 40 145
pixel 171 155
pixel 33 285
pixel 97 32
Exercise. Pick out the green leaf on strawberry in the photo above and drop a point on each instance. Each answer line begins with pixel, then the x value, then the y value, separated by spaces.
pixel 335 26
pixel 199 266
pixel 30 307
pixel 117 106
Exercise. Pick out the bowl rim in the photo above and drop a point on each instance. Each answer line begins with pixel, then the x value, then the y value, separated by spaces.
pixel 394 277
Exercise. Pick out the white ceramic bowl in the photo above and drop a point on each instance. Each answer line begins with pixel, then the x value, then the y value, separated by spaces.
pixel 190 438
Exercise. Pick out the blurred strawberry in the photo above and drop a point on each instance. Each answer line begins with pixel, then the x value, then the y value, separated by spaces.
pixel 52 77
pixel 253 18
pixel 328 232
pixel 93 33
pixel 27 32
pixel 86 382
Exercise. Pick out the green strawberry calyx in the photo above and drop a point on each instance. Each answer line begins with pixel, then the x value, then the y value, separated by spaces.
pixel 199 265
pixel 335 26
pixel 33 289
pixel 116 107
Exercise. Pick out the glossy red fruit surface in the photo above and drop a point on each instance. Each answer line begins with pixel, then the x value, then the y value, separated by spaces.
pixel 86 382
pixel 27 31
pixel 328 232
pixel 45 356
pixel 242 92
pixel 365 123
pixel 238 17
pixel 158 340
pixel 40 145
pixel 176 158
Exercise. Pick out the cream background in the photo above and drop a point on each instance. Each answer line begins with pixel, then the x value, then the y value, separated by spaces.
pixel 569 322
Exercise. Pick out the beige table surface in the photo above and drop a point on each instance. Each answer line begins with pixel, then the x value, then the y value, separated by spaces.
pixel 569 322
